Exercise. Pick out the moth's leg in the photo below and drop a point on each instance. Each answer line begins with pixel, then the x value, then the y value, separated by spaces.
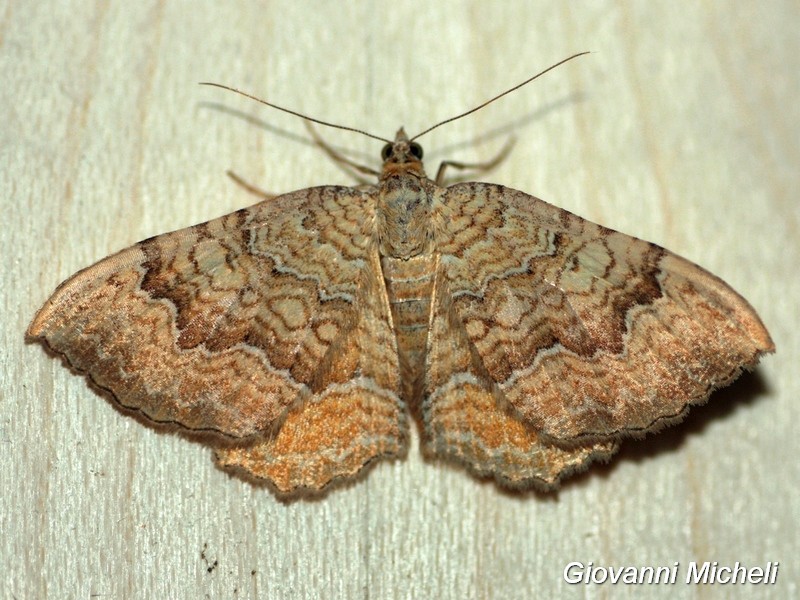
pixel 352 167
pixel 249 187
pixel 476 167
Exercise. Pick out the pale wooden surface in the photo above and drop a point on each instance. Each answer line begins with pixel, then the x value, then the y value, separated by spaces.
pixel 681 128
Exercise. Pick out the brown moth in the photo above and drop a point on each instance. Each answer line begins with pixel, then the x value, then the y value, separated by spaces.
pixel 302 331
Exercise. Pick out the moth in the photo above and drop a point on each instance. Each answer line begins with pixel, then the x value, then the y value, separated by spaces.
pixel 302 334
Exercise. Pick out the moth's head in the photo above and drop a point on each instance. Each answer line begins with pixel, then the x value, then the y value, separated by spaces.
pixel 401 150
pixel 402 155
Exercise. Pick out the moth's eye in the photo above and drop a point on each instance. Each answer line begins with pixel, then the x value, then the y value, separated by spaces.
pixel 416 150
pixel 386 152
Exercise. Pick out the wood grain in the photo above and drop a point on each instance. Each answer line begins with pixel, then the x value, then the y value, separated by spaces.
pixel 680 128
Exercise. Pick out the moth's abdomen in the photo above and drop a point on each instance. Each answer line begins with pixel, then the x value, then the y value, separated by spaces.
pixel 409 284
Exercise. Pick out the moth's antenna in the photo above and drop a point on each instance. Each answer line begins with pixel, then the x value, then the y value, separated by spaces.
pixel 516 87
pixel 292 112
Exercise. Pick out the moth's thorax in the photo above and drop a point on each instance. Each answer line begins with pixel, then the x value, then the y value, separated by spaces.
pixel 404 217
pixel 404 201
